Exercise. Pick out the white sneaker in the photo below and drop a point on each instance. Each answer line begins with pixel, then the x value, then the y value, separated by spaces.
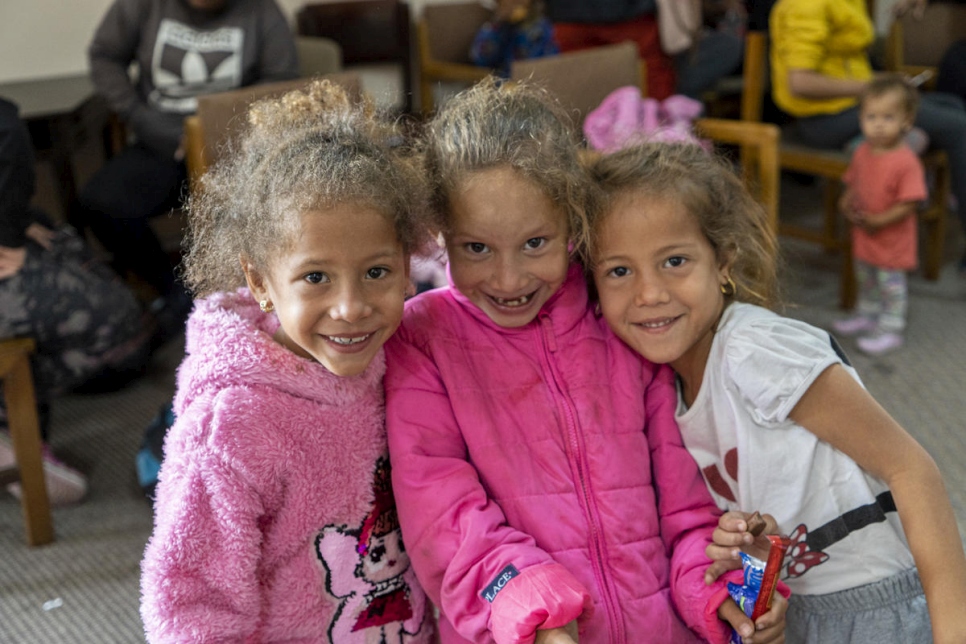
pixel 65 485
pixel 880 343
pixel 854 325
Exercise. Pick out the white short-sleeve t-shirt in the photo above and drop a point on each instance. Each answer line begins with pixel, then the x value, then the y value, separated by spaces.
pixel 842 522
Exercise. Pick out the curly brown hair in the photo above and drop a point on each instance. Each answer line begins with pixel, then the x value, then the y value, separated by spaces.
pixel 305 151
pixel 706 184
pixel 519 125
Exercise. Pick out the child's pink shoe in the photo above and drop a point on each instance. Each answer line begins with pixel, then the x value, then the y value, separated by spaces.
pixel 880 343
pixel 854 325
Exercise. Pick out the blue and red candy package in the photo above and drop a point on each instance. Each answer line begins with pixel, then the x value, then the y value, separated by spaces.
pixel 760 578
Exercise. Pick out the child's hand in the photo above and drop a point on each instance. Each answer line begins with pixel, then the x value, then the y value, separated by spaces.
pixel 847 205
pixel 565 635
pixel 732 535
pixel 770 627
pixel 855 217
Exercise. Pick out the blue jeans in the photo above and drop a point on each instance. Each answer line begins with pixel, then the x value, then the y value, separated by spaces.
pixel 717 55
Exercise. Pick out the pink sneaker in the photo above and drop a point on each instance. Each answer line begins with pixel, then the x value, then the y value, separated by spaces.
pixel 854 325
pixel 65 485
pixel 880 343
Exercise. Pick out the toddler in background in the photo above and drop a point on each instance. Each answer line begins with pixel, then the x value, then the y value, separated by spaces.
pixel 274 515
pixel 542 485
pixel 770 408
pixel 517 31
pixel 884 182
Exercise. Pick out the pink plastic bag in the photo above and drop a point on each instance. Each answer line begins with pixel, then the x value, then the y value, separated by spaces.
pixel 625 118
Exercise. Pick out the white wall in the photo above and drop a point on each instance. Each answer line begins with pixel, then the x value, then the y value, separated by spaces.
pixel 46 38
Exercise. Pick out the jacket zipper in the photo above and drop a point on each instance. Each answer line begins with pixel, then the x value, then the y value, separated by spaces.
pixel 597 549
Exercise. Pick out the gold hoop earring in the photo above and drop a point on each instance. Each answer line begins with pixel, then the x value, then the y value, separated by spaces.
pixel 728 288
pixel 266 306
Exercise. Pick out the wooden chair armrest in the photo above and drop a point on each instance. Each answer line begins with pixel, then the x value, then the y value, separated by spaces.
pixel 195 158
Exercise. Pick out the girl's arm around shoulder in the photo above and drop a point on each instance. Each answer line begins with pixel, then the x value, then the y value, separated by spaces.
pixel 490 579
pixel 842 413
pixel 687 512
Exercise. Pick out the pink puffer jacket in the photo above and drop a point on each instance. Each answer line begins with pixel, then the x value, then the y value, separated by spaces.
pixel 540 477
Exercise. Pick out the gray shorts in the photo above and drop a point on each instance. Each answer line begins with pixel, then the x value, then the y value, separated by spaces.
pixel 891 610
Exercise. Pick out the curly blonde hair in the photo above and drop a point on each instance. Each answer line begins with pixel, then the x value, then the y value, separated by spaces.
pixel 308 150
pixel 706 184
pixel 518 125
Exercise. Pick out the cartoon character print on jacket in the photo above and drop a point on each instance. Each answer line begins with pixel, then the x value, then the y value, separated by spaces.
pixel 368 568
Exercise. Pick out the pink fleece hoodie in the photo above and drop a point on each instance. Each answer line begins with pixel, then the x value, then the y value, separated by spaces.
pixel 540 476
pixel 274 516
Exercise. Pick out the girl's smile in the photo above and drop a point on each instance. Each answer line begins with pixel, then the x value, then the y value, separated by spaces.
pixel 659 281
pixel 507 245
pixel 338 291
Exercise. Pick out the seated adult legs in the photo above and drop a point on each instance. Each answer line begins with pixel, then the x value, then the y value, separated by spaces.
pixel 118 203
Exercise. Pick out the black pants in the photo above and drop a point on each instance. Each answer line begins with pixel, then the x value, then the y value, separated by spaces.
pixel 87 324
pixel 118 202
pixel 952 70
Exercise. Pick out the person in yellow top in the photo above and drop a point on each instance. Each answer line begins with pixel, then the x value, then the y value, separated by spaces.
pixel 820 66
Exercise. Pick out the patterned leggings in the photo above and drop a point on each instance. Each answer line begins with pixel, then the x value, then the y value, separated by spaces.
pixel 883 296
pixel 83 318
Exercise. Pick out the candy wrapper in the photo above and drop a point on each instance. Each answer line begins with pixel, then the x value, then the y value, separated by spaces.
pixel 760 578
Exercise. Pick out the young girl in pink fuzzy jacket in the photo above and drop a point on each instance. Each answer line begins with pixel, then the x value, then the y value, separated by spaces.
pixel 274 516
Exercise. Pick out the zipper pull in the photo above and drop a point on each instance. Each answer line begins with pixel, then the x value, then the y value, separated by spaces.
pixel 547 325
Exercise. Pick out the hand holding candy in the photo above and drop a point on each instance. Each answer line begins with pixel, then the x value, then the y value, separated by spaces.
pixel 755 595
pixel 767 629
pixel 733 535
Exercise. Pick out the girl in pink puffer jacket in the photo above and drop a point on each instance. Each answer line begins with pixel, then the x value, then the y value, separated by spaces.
pixel 542 486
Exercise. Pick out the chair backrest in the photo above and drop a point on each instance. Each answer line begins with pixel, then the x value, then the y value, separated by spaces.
pixel 221 116
pixel 758 143
pixel 368 31
pixel 449 30
pixel 582 79
pixel 318 55
pixel 914 45
pixel 754 76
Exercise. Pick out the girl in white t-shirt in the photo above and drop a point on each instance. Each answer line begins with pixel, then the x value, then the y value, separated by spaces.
pixel 770 408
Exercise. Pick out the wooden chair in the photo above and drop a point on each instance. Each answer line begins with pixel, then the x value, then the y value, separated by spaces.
pixel 831 165
pixel 318 55
pixel 915 45
pixel 758 146
pixel 220 117
pixel 444 35
pixel 368 31
pixel 582 79
pixel 18 391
